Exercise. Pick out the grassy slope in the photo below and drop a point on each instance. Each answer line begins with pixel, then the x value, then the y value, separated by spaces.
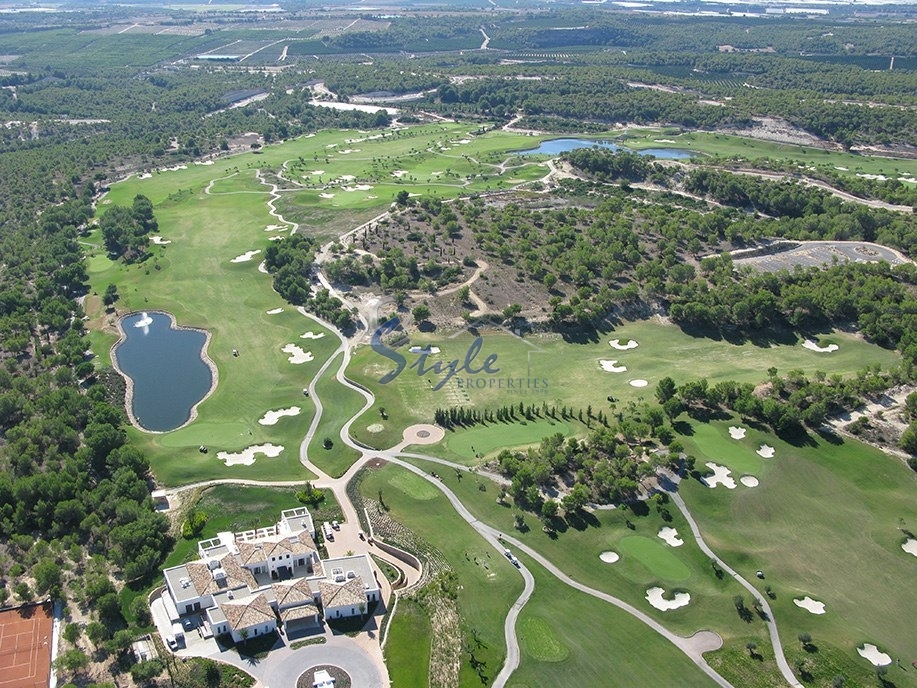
pixel 573 374
pixel 826 522
pixel 338 405
pixel 561 646
pixel 488 583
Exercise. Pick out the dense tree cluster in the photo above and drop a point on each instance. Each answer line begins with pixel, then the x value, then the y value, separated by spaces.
pixel 290 262
pixel 126 231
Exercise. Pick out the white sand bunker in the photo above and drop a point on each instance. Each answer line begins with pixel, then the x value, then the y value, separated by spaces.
pixel 424 350
pixel 655 596
pixel 813 346
pixel 358 187
pixel 609 557
pixel 347 177
pixel 720 476
pixel 248 255
pixel 297 355
pixel 765 451
pixel 275 311
pixel 271 417
pixel 910 546
pixel 348 151
pixel 159 241
pixel 399 173
pixel 326 195
pixel 318 172
pixel 736 432
pixel 810 605
pixel 670 535
pixel 749 481
pixel 311 335
pixel 638 383
pixel 275 238
pixel 872 653
pixel 616 344
pixel 274 228
pixel 612 366
pixel 375 427
pixel 246 457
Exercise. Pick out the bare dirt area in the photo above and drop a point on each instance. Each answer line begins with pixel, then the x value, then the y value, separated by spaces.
pixel 780 131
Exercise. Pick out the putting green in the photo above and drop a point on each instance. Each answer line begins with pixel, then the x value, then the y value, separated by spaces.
pixel 413 486
pixel 485 439
pixel 199 433
pixel 539 642
pixel 655 557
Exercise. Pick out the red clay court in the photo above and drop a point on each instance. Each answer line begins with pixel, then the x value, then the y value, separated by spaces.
pixel 25 646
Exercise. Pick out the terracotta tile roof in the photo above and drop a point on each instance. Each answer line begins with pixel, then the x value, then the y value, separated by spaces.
pixel 249 552
pixel 236 577
pixel 288 594
pixel 345 594
pixel 247 614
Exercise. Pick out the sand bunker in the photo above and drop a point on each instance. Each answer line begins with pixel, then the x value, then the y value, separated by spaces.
pixel 262 267
pixel 347 177
pixel 311 335
pixel 720 476
pixel 274 228
pixel 145 175
pixel 609 557
pixel 670 535
pixel 810 605
pixel 749 481
pixel 616 344
pixel 765 451
pixel 638 383
pixel 326 195
pixel 318 172
pixel 375 427
pixel 348 151
pixel 246 457
pixel 248 255
pixel 736 432
pixel 424 350
pixel 910 546
pixel 872 653
pixel 271 417
pixel 275 238
pixel 663 141
pixel 813 346
pixel 274 311
pixel 358 187
pixel 655 597
pixel 399 173
pixel 159 241
pixel 612 366
pixel 297 355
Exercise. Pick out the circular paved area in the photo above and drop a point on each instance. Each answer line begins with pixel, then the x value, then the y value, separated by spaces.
pixel 338 651
pixel 423 434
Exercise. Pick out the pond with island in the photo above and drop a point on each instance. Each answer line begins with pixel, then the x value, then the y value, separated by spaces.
pixel 167 374
pixel 558 146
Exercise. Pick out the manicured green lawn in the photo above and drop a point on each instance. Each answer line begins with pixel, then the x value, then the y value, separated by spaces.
pixel 407 650
pixel 827 521
pixel 729 146
pixel 568 638
pixel 339 403
pixel 572 375
pixel 487 583
pixel 645 560
pixel 487 440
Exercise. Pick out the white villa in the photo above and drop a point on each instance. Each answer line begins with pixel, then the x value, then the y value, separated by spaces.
pixel 247 584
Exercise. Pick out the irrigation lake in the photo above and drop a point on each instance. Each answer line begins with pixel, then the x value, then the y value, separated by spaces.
pixel 164 364
pixel 558 146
